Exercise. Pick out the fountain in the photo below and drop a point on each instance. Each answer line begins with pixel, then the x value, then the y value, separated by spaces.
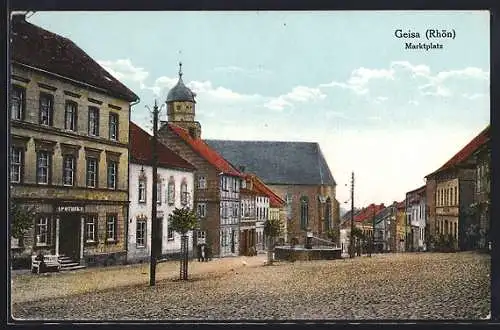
pixel 307 252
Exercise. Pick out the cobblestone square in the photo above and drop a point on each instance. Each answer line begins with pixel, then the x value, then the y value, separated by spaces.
pixel 385 286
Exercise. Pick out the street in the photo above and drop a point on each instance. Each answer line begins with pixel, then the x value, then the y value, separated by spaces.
pixel 386 286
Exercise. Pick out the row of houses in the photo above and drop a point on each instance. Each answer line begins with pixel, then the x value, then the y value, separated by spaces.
pixel 451 211
pixel 87 168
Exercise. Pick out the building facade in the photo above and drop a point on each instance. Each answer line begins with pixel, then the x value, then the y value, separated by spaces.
pixel 416 214
pixel 248 218
pixel 69 148
pixel 480 235
pixel 175 186
pixel 452 215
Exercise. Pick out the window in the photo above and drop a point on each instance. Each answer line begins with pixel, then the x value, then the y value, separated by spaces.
pixel 46 109
pixel 90 228
pixel 112 170
pixel 456 195
pixel 201 234
pixel 92 170
pixel 202 210
pixel 43 167
pixel 42 230
pixel 113 126
pixel 16 165
pixel 184 193
pixel 288 199
pixel 68 170
pixel 111 227
pixel 304 212
pixel 235 185
pixel 235 210
pixel 158 192
pixel 140 236
pixel 94 121
pixel 17 102
pixel 171 192
pixel 70 113
pixel 142 191
pixel 202 182
pixel 224 183
pixel 170 234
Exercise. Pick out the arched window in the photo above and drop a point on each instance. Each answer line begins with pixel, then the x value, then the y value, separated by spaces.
pixel 304 212
pixel 171 191
pixel 328 213
pixel 184 192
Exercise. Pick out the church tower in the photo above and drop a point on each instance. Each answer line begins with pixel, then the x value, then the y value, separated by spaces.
pixel 181 107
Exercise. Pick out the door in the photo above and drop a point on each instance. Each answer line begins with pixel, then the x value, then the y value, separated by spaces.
pixel 69 236
pixel 232 241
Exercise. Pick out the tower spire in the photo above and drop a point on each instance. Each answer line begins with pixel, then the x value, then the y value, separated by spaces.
pixel 180 70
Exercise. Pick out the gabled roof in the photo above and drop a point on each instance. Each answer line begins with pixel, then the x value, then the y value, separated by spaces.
pixel 141 151
pixel 39 48
pixel 205 151
pixel 278 162
pixel 418 191
pixel 369 212
pixel 466 152
pixel 274 200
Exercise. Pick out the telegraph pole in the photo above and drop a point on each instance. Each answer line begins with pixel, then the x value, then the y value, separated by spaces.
pixel 352 217
pixel 154 219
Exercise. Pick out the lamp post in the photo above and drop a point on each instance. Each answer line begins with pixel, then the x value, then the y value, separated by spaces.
pixel 154 197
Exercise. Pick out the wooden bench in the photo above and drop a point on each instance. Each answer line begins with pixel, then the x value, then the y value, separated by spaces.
pixel 51 263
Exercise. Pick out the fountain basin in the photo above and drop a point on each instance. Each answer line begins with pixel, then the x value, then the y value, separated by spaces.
pixel 289 253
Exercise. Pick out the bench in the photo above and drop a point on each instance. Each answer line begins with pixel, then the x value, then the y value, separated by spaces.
pixel 51 262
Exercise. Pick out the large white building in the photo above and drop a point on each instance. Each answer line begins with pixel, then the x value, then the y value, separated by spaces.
pixel 175 190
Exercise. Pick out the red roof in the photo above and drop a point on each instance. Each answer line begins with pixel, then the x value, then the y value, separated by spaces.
pixel 466 151
pixel 209 154
pixel 274 200
pixel 368 212
pixel 141 151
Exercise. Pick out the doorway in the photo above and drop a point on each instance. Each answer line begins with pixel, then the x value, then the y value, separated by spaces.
pixel 69 235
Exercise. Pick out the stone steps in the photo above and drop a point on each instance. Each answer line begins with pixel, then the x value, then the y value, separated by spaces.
pixel 68 264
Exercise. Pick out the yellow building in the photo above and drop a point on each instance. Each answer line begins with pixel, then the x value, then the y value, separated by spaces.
pixel 69 149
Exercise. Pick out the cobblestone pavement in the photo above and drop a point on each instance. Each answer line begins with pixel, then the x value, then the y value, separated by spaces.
pixel 390 286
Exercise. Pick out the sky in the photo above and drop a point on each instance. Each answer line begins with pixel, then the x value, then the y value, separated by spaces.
pixel 343 79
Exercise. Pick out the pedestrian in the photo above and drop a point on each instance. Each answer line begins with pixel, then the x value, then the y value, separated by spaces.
pixel 41 265
pixel 203 252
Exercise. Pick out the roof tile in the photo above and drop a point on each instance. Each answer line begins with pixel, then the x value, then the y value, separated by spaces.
pixel 141 151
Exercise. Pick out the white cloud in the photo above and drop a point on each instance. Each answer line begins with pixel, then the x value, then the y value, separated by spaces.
pixel 233 69
pixel 123 69
pixel 363 80
pixel 473 96
pixel 298 94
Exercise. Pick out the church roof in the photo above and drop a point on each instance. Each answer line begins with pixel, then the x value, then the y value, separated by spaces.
pixel 205 151
pixel 180 92
pixel 300 163
pixel 59 55
pixel 141 151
